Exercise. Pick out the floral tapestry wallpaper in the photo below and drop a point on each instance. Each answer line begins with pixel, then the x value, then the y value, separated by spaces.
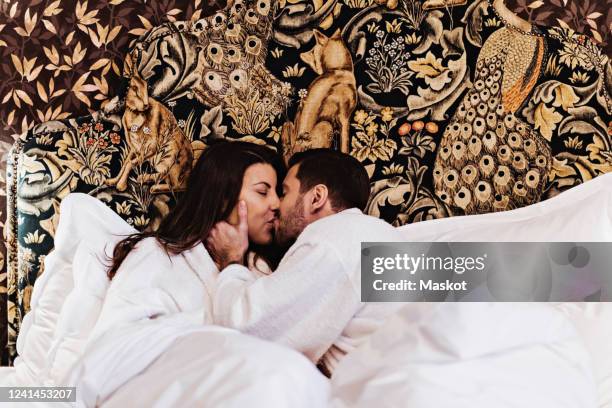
pixel 63 60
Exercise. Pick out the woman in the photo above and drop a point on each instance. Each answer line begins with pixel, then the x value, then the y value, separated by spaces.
pixel 169 270
pixel 155 274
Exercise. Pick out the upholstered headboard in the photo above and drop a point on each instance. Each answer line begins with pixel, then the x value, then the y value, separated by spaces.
pixel 386 83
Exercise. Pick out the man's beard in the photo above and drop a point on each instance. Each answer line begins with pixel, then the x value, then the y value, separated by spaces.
pixel 291 225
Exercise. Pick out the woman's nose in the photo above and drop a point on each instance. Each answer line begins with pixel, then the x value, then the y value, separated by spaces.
pixel 274 201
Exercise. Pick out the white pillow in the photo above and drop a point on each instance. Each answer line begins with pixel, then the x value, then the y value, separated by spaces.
pixel 67 297
pixel 583 213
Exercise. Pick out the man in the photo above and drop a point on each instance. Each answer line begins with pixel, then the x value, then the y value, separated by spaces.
pixel 312 301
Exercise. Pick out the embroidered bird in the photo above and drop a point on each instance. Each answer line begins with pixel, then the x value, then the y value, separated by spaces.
pixel 489 159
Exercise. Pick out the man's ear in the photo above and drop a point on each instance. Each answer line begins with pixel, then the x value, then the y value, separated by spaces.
pixel 319 197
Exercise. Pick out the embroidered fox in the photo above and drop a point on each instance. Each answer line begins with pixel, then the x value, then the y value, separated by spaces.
pixel 325 112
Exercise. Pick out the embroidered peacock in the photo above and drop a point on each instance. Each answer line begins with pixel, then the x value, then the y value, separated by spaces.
pixel 489 159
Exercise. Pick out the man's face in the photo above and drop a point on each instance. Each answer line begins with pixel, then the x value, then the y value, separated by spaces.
pixel 292 219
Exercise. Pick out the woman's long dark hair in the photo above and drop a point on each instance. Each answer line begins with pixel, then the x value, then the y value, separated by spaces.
pixel 212 192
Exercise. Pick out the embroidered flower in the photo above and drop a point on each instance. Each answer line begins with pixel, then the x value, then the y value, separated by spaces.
pixel 181 124
pixel 147 131
pixel 573 56
pixel 275 133
pixel 134 128
pixel 99 127
pixel 114 137
pixel 386 114
pixel 372 129
pixel 303 93
pixel 285 88
pixel 90 142
pixel 360 116
pixel 84 128
pixel 393 169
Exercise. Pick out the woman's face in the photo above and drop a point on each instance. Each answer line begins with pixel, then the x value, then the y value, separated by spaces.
pixel 259 193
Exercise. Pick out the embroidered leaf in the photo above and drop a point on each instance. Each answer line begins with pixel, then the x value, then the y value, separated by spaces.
pixel 52 54
pixel 30 22
pixel 17 64
pixel 42 94
pixel 24 96
pixel 99 64
pixel 49 26
pixel 546 120
pixel 596 35
pixel 78 54
pixel 69 38
pixel 430 66
pixel 13 10
pixel 34 238
pixel 52 9
pixel 565 96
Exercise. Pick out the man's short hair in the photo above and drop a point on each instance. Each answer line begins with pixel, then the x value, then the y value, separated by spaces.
pixel 346 179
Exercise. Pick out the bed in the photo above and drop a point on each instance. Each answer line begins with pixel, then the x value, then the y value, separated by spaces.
pixel 428 354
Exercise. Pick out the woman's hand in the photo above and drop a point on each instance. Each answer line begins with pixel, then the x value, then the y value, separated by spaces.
pixel 228 243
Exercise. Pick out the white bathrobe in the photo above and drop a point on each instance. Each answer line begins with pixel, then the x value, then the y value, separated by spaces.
pixel 312 302
pixel 73 302
pixel 152 284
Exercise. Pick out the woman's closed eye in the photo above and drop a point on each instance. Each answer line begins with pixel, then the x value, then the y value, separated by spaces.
pixel 262 192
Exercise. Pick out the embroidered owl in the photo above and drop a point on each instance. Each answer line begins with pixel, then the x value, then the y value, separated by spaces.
pixel 234 46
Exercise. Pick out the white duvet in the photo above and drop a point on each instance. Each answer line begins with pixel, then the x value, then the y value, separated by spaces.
pixel 464 355
pixel 581 214
pixel 61 342
pixel 429 355
pixel 172 362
